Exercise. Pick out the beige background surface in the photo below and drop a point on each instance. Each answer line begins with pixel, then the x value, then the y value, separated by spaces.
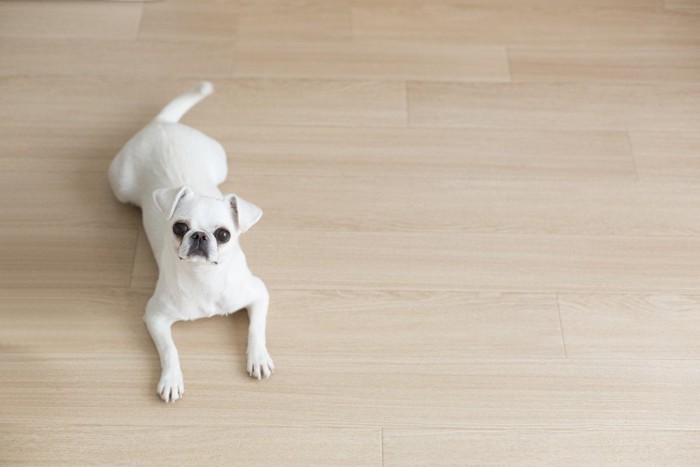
pixel 481 232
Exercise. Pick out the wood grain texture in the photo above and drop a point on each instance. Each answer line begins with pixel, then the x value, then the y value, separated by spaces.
pixel 73 257
pixel 411 153
pixel 64 200
pixel 363 391
pixel 31 323
pixel 145 271
pixel 80 102
pixel 632 326
pixel 420 447
pixel 97 100
pixel 178 20
pixel 392 204
pixel 667 155
pixel 70 57
pixel 86 20
pixel 187 445
pixel 541 24
pixel 578 106
pixel 406 324
pixel 606 64
pixel 308 102
pixel 683 6
pixel 479 261
pixel 371 60
pixel 284 21
pixel 479 324
pixel 481 233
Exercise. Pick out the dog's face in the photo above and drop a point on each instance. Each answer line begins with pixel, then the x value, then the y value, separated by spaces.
pixel 203 229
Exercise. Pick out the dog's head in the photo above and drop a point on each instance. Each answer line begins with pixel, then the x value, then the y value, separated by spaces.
pixel 203 229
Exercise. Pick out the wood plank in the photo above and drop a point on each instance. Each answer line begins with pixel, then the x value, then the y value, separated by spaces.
pixel 145 272
pixel 361 391
pixel 352 151
pixel 537 24
pixel 605 64
pixel 101 101
pixel 471 262
pixel 188 445
pixel 390 323
pixel 63 150
pixel 634 326
pixel 558 106
pixel 683 6
pixel 73 200
pixel 402 204
pixel 86 20
pixel 79 321
pixel 432 261
pixel 371 60
pixel 424 152
pixel 91 101
pixel 284 21
pixel 667 155
pixel 632 5
pixel 419 447
pixel 67 256
pixel 250 101
pixel 70 57
pixel 182 20
pixel 406 324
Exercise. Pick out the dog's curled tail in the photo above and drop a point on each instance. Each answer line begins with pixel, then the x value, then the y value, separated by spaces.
pixel 173 112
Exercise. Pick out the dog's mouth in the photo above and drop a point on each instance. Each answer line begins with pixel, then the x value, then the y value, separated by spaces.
pixel 197 255
pixel 198 250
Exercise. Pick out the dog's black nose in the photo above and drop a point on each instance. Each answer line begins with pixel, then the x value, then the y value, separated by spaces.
pixel 200 237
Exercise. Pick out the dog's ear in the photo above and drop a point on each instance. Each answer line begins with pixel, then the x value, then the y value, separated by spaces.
pixel 166 199
pixel 245 214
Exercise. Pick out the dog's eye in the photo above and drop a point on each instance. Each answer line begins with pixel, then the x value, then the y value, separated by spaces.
pixel 222 235
pixel 180 229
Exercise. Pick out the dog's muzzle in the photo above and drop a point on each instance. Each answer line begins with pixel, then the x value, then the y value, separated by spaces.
pixel 199 245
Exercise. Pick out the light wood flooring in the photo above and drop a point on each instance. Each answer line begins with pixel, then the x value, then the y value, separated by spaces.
pixel 481 232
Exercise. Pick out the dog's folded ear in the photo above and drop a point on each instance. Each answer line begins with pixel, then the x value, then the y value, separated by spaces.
pixel 166 199
pixel 245 214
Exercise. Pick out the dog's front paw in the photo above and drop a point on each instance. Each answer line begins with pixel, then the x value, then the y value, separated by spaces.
pixel 259 362
pixel 171 386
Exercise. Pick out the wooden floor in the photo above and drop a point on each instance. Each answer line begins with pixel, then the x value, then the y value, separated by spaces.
pixel 481 232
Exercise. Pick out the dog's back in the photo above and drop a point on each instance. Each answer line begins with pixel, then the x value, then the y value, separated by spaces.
pixel 167 154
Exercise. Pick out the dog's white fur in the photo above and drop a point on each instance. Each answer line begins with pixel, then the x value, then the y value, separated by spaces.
pixel 172 171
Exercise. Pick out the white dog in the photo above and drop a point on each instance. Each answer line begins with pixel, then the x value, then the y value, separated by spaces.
pixel 172 171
